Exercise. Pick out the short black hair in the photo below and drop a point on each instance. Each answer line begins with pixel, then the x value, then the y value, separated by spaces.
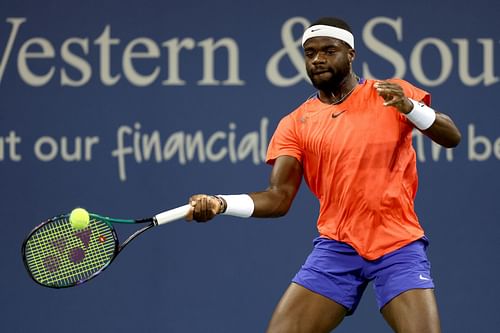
pixel 333 22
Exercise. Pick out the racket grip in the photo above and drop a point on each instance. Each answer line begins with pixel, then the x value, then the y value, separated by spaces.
pixel 172 214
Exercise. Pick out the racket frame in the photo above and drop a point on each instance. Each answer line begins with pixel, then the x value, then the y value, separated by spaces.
pixel 118 247
pixel 159 219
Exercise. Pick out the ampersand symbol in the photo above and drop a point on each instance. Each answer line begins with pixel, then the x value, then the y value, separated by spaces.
pixel 293 49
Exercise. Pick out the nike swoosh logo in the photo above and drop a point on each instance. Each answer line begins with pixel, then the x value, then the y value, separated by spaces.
pixel 314 30
pixel 423 278
pixel 335 115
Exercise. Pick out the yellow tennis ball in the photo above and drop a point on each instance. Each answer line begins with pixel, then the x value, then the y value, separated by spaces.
pixel 79 218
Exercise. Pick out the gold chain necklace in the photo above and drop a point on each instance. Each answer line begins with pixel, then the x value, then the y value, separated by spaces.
pixel 340 100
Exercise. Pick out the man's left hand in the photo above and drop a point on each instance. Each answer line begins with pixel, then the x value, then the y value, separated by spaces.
pixel 393 95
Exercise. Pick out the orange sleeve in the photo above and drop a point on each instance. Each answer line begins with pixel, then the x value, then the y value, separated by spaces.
pixel 413 92
pixel 284 141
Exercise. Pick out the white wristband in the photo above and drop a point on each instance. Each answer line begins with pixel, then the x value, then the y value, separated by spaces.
pixel 421 115
pixel 240 205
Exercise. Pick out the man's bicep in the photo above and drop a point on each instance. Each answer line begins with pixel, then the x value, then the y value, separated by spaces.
pixel 286 174
pixel 284 182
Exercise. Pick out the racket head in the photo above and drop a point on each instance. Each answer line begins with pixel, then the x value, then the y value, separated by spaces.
pixel 57 255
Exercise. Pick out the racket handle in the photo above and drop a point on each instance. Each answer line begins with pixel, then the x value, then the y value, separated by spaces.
pixel 172 214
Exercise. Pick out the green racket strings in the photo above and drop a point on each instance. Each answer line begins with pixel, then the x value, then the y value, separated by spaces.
pixel 59 255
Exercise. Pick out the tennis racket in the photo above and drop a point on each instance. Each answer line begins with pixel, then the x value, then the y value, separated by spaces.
pixel 57 255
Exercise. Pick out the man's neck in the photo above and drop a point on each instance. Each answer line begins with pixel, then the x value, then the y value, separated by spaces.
pixel 340 92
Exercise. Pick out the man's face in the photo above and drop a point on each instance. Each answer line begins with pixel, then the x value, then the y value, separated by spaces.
pixel 328 61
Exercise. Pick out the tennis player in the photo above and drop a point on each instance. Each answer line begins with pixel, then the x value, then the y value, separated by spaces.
pixel 352 143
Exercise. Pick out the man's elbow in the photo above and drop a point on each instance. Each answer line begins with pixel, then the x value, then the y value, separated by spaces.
pixel 453 140
pixel 282 206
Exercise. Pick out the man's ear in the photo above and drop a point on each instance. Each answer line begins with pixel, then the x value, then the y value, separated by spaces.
pixel 351 55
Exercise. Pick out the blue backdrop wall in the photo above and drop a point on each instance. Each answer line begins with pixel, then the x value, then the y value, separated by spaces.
pixel 128 107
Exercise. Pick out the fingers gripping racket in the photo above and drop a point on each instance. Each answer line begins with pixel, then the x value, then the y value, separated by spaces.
pixel 58 255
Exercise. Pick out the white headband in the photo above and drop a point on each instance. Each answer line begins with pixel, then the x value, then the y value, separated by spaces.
pixel 328 31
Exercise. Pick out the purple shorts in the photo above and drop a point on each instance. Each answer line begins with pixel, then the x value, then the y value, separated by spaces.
pixel 336 271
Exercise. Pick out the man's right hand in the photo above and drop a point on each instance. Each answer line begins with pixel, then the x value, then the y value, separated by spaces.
pixel 203 207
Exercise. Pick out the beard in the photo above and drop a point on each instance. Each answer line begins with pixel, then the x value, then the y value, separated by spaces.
pixel 330 79
pixel 327 84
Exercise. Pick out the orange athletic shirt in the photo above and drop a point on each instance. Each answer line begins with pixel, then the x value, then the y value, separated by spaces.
pixel 358 160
